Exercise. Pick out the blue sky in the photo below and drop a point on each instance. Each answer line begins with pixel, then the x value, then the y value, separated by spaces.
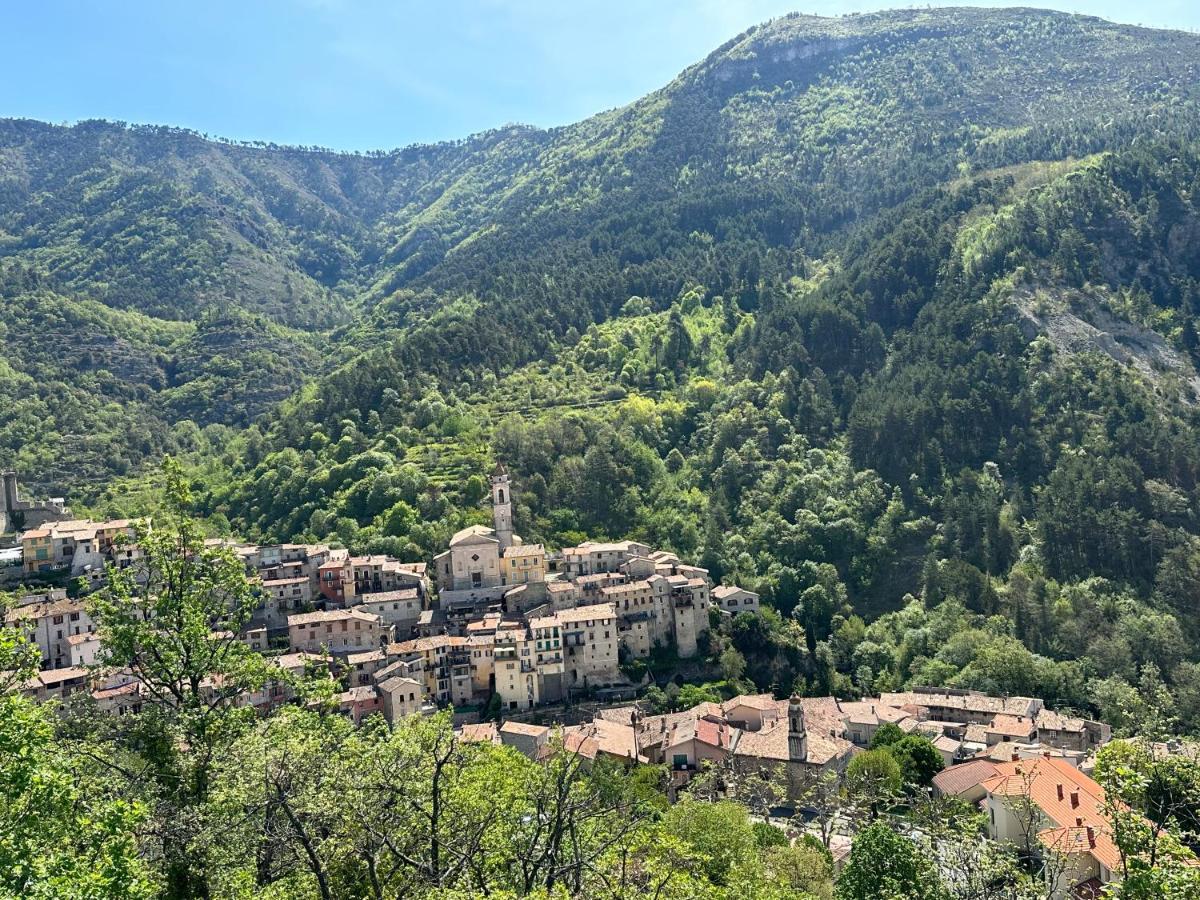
pixel 368 74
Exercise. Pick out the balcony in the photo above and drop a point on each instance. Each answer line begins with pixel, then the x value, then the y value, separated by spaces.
pixel 682 599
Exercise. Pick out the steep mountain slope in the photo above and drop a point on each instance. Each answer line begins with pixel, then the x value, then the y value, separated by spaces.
pixel 169 223
pixel 852 310
pixel 763 157
pixel 88 392
pixel 450 260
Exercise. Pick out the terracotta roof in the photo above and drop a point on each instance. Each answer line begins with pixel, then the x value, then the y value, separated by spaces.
pixel 971 702
pixel 769 743
pixel 399 667
pixel 947 744
pixel 1013 726
pixel 475 534
pixel 597 547
pixel 129 687
pixel 772 743
pixel 1067 797
pixel 976 734
pixel 622 715
pixel 596 611
pixel 957 779
pixel 715 734
pixel 362 693
pixel 755 701
pixel 485 732
pixel 294 660
pixel 524 728
pixel 357 659
pixel 1054 721
pixel 577 742
pixel 42 609
pixel 50 677
pixel 333 615
pixel 421 645
pixel 721 591
pixel 605 736
pixel 410 593
pixel 524 550
pixel 867 712
pixel 398 682
pixel 630 587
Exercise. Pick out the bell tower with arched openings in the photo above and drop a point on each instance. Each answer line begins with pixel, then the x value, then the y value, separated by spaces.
pixel 502 507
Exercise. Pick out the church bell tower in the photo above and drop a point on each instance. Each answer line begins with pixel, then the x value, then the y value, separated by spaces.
pixel 502 507
pixel 797 733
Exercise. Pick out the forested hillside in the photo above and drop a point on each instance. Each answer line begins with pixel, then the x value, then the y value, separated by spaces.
pixel 855 311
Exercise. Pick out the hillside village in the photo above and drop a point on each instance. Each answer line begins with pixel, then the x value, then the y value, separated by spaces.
pixel 509 622
pixel 527 647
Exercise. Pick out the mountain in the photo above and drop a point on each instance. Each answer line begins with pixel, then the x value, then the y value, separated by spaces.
pixel 854 309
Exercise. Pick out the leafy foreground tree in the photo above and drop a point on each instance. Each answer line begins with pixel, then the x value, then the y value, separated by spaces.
pixel 197 796
pixel 885 865
pixel 1153 802
pixel 873 779
pixel 63 834
pixel 173 619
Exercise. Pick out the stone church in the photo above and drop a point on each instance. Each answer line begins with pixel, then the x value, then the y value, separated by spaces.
pixel 483 564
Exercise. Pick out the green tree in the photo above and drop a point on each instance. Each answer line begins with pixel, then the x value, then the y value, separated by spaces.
pixel 1151 804
pixel 872 779
pixel 733 665
pixel 64 833
pixel 885 735
pixel 720 833
pixel 173 619
pixel 884 865
pixel 919 760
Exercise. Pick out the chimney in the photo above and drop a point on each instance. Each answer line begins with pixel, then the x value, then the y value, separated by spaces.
pixel 1016 757
pixel 1060 791
pixel 1079 821
pixel 1074 799
pixel 1091 836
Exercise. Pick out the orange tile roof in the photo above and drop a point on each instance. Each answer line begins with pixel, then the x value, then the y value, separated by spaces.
pixel 1012 726
pixel 421 645
pixel 956 779
pixel 1067 797
pixel 511 726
